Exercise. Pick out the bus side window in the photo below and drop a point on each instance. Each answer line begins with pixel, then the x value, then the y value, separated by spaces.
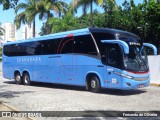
pixel 84 45
pixel 114 56
pixel 48 47
pixel 65 45
pixel 7 50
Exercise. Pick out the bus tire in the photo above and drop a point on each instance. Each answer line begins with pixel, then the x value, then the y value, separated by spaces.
pixel 94 84
pixel 26 79
pixel 18 78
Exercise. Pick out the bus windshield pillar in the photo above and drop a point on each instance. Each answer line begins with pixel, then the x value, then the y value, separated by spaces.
pixel 120 42
pixel 151 46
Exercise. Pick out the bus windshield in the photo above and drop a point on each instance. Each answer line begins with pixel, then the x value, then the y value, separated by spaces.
pixel 136 60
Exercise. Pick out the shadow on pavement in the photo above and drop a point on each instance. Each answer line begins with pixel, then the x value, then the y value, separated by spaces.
pixel 11 94
pixel 78 88
pixel 123 92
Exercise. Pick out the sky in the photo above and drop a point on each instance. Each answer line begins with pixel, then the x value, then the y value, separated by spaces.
pixel 8 16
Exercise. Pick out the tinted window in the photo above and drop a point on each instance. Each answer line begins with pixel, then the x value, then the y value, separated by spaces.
pixel 23 49
pixel 14 50
pixel 65 45
pixel 30 48
pixel 48 47
pixel 102 36
pixel 85 45
pixel 114 56
pixel 79 44
pixel 7 50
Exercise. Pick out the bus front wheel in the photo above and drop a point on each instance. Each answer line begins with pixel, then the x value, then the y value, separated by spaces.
pixel 94 84
pixel 18 78
pixel 26 79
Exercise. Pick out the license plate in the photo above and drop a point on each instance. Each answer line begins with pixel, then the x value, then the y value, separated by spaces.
pixel 141 85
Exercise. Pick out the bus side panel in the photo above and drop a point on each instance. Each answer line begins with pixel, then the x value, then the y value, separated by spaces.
pixel 92 65
pixel 25 64
pixel 7 67
pixel 114 80
pixel 29 65
pixel 48 69
pixel 70 70
pixel 54 67
pixel 76 67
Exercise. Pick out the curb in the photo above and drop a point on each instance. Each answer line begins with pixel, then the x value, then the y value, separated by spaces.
pixel 155 84
pixel 14 109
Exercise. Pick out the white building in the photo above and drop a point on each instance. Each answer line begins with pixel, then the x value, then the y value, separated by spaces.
pixel 10 32
pixel 27 32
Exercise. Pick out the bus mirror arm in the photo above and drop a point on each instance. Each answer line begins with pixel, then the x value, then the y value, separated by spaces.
pixel 120 42
pixel 151 46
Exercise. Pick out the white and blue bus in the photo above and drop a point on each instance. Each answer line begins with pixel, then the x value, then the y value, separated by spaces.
pixel 93 57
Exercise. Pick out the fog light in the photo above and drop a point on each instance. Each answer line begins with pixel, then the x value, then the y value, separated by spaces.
pixel 129 84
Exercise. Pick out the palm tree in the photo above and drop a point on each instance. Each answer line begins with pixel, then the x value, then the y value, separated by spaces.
pixel 86 4
pixel 65 23
pixel 28 15
pixel 50 8
pixel 1 31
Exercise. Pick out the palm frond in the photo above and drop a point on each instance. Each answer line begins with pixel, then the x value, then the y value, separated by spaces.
pixel 20 18
pixel 20 7
pixel 2 31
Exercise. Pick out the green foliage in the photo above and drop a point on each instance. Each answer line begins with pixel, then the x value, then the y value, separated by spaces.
pixel 142 19
pixel 0 54
pixel 0 51
pixel 85 4
pixel 1 31
pixel 43 30
pixel 42 8
pixel 8 4
pixel 50 8
pixel 67 22
pixel 27 15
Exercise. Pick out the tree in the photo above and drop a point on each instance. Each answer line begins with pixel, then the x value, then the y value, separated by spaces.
pixel 51 8
pixel 86 4
pixel 65 23
pixel 99 20
pixel 1 31
pixel 28 15
pixel 8 4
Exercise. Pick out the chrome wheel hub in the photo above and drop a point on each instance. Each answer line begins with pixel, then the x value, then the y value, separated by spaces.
pixel 93 84
pixel 26 79
pixel 18 78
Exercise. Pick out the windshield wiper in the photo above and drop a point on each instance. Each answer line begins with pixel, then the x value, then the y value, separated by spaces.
pixel 141 61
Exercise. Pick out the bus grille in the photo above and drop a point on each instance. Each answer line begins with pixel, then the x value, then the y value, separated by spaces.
pixel 141 78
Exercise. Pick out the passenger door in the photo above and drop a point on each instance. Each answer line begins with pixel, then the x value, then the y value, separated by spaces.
pixel 114 65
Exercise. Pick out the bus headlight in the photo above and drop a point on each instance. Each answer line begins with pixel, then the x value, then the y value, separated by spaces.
pixel 124 75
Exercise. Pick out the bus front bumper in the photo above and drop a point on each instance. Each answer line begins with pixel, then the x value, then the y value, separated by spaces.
pixel 128 84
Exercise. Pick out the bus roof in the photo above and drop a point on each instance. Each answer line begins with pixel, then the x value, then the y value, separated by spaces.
pixel 111 31
pixel 55 35
pixel 75 33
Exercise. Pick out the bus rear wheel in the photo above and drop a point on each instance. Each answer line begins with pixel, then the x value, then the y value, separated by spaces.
pixel 26 79
pixel 94 84
pixel 18 78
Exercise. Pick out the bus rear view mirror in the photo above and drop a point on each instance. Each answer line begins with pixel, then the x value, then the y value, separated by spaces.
pixel 151 46
pixel 120 42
